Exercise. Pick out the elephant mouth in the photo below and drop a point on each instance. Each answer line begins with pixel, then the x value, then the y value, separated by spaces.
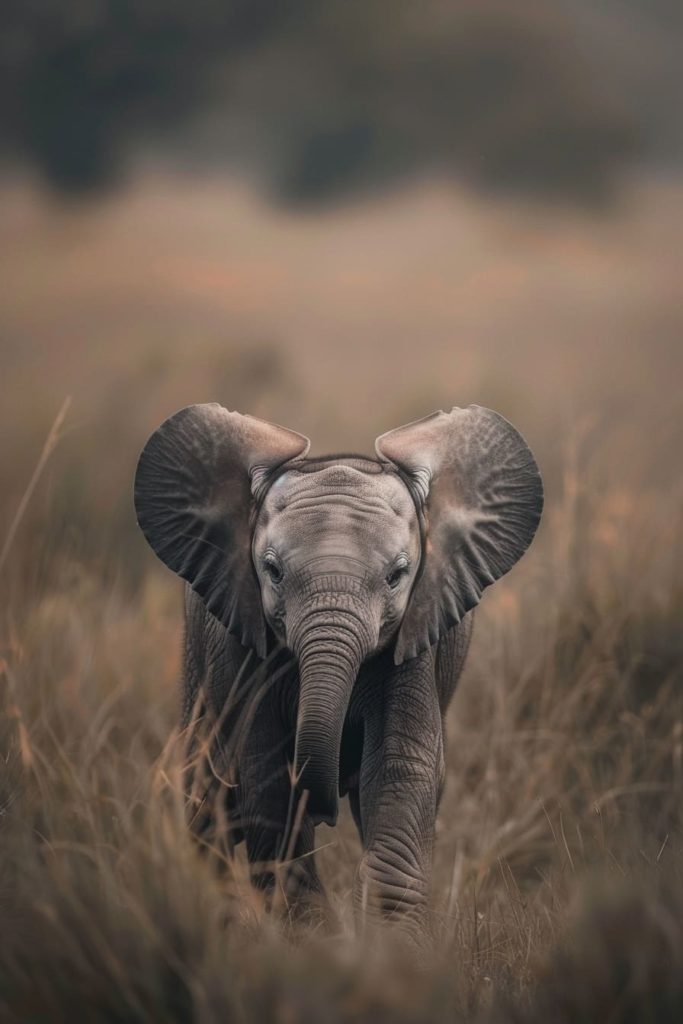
pixel 322 814
pixel 348 782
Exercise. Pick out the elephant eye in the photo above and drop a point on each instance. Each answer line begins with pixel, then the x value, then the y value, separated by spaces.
pixel 272 568
pixel 398 571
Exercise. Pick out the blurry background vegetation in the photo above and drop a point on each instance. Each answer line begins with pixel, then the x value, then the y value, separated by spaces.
pixel 341 216
pixel 321 99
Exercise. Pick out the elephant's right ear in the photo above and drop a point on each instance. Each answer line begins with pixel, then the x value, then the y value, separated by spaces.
pixel 194 491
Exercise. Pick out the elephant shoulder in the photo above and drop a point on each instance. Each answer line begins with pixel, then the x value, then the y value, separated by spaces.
pixel 210 651
pixel 203 632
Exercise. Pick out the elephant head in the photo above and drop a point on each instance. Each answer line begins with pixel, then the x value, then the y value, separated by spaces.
pixel 337 558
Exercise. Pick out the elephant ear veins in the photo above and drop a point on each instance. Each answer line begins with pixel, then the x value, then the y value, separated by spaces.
pixel 483 499
pixel 193 497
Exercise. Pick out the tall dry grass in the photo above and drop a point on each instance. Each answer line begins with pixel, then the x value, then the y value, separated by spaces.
pixel 557 885
pixel 557 892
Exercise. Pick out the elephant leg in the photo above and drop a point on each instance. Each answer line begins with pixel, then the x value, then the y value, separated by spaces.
pixel 400 781
pixel 216 670
pixel 279 834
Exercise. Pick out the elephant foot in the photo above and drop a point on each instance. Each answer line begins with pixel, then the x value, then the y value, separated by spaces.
pixel 392 910
pixel 406 940
pixel 293 894
pixel 309 911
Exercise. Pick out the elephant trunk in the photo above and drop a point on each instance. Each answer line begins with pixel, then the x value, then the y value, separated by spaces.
pixel 330 650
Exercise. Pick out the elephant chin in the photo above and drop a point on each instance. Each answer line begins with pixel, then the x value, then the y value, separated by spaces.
pixel 328 665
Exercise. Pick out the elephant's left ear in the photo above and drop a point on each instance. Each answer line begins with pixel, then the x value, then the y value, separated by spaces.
pixel 482 497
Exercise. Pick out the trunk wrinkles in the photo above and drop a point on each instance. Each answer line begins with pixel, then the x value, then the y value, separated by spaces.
pixel 331 638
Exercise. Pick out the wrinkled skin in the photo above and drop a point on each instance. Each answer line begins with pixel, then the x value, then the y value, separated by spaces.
pixel 363 572
pixel 352 721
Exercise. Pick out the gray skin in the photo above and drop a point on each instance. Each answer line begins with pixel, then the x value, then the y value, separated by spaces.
pixel 328 625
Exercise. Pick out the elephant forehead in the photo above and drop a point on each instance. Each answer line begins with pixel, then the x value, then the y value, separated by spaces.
pixel 339 510
pixel 341 486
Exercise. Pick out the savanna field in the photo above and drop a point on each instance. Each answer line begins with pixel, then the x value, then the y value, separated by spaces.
pixel 558 884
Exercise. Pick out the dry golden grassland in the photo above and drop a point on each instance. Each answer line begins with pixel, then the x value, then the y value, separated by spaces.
pixel 558 883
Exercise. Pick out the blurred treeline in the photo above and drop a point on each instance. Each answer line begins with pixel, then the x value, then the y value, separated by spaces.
pixel 322 98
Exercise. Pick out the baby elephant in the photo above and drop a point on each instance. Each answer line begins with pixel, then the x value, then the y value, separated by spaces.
pixel 327 619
